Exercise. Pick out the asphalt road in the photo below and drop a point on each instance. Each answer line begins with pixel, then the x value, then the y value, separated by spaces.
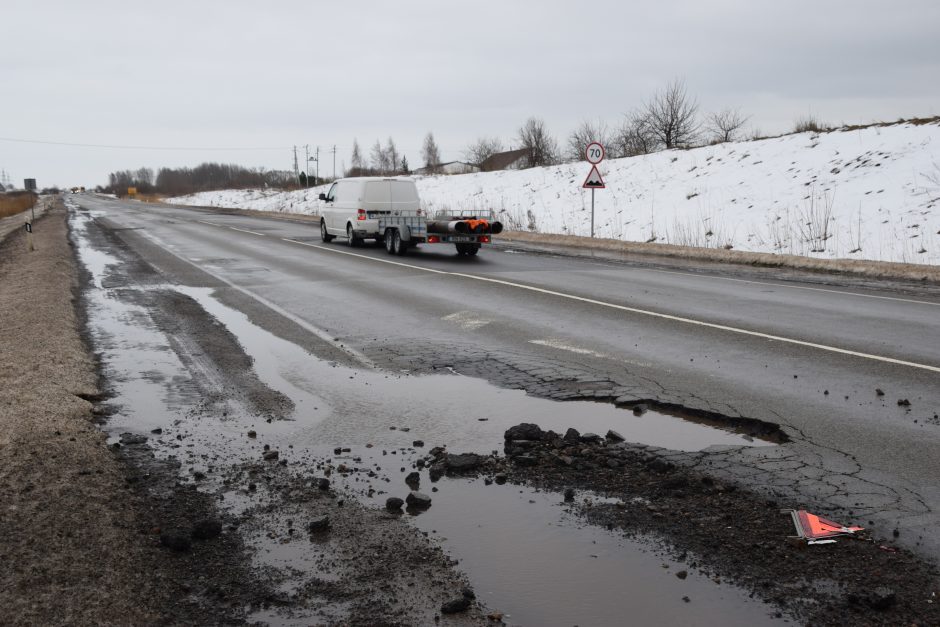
pixel 807 352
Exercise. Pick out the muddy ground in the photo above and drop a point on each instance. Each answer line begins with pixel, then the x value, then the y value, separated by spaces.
pixel 106 534
pixel 719 530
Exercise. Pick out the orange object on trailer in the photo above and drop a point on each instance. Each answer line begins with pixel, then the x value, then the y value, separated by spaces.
pixel 473 224
pixel 812 528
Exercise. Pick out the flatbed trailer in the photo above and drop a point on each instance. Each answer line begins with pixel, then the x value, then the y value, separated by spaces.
pixel 401 230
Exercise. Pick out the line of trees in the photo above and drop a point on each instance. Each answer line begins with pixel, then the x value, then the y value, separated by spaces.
pixel 204 177
pixel 669 119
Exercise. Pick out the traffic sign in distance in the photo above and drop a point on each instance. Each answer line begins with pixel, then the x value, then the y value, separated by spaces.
pixel 594 153
pixel 594 180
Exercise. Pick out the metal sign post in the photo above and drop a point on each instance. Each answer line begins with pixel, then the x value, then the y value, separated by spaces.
pixel 594 153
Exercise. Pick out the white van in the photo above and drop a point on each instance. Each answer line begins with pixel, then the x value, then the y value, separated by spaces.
pixel 353 207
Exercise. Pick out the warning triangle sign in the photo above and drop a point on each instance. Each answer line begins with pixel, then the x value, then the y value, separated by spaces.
pixel 594 180
pixel 812 527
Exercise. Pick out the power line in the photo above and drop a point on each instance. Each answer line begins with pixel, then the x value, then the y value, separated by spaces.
pixel 78 145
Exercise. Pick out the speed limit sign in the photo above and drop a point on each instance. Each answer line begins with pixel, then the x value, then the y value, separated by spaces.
pixel 594 153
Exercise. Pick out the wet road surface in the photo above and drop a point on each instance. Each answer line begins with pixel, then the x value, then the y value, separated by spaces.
pixel 808 356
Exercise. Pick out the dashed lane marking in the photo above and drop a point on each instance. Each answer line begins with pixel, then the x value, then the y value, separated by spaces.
pixel 634 310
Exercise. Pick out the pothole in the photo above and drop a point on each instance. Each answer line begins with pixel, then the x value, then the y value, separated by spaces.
pixel 524 554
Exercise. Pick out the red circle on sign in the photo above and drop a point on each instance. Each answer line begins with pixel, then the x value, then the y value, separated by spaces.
pixel 594 153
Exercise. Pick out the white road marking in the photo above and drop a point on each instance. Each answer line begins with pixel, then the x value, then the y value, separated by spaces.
pixel 320 333
pixel 564 346
pixel 235 228
pixel 634 310
pixel 346 252
pixel 468 320
pixel 204 222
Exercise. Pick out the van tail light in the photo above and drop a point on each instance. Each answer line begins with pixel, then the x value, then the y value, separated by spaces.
pixel 433 239
pixel 361 214
pixel 484 239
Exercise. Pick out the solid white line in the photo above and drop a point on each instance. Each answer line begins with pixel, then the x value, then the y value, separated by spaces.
pixel 320 333
pixel 346 252
pixel 644 312
pixel 710 325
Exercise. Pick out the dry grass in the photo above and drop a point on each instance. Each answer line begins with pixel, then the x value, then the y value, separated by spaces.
pixel 16 202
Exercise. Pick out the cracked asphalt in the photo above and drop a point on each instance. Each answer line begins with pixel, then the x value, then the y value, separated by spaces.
pixel 840 373
pixel 853 449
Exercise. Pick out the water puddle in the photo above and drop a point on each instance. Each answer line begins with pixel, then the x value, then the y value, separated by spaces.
pixel 536 562
pixel 525 556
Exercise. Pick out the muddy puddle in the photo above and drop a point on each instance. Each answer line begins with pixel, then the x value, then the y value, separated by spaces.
pixel 524 553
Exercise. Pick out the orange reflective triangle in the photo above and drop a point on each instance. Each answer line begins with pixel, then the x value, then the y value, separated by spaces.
pixel 813 526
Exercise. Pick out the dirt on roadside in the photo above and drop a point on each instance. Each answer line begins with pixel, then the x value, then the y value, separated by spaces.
pixel 70 549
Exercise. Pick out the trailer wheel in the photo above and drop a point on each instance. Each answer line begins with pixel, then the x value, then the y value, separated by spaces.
pixel 325 237
pixel 390 241
pixel 472 249
pixel 352 240
pixel 399 246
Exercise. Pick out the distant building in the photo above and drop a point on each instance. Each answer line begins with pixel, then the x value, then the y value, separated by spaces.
pixel 451 167
pixel 509 160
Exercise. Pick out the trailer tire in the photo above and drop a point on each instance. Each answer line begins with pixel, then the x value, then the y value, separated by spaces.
pixel 325 237
pixel 472 249
pixel 400 246
pixel 390 241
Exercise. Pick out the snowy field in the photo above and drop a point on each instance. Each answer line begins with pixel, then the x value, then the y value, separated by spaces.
pixel 871 193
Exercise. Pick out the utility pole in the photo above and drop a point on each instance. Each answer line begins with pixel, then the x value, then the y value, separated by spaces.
pixel 296 169
pixel 307 165
pixel 334 162
pixel 317 159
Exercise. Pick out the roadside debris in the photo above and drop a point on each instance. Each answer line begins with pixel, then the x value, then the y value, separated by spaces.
pixel 815 529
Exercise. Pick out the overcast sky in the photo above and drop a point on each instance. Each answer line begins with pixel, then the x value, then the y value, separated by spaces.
pixel 242 82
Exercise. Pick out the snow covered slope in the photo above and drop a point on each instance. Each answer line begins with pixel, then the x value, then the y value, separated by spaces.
pixel 870 193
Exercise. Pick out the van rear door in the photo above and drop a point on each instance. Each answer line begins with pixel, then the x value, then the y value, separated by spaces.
pixel 377 197
pixel 403 196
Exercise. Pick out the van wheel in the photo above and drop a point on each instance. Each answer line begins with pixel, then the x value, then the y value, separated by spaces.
pixel 325 237
pixel 398 246
pixel 390 241
pixel 351 239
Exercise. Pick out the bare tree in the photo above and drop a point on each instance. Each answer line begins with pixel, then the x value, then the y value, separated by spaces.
pixel 356 161
pixel 482 149
pixel 586 133
pixel 391 156
pixel 431 155
pixel 672 115
pixel 635 137
pixel 379 158
pixel 541 148
pixel 726 125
